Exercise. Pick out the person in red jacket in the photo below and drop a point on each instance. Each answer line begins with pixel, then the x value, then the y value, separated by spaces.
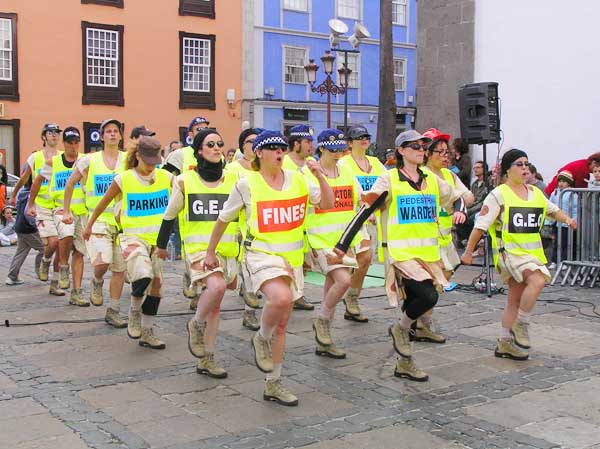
pixel 580 169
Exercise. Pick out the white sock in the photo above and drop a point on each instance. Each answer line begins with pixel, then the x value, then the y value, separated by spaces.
pixel 505 333
pixel 209 349
pixel 276 373
pixel 266 332
pixel 55 276
pixel 405 322
pixel 115 304
pixel 326 312
pixel 147 321
pixel 136 304
pixel 523 316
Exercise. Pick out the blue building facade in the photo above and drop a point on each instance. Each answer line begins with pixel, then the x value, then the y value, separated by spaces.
pixel 281 36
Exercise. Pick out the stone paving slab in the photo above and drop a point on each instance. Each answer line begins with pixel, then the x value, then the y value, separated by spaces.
pixel 85 384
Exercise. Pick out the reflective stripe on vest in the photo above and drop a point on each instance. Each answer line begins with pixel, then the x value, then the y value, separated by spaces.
pixel 412 229
pixel 143 206
pixel 325 227
pixel 60 175
pixel 43 198
pixel 99 179
pixel 202 206
pixel 521 224
pixel 277 217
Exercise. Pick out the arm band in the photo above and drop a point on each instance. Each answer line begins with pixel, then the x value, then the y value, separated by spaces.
pixel 459 206
pixel 166 227
pixel 172 169
pixel 359 219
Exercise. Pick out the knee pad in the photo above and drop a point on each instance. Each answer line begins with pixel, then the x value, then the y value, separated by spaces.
pixel 150 305
pixel 138 288
pixel 430 295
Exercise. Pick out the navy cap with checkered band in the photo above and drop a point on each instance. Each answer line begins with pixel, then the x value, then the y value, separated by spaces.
pixel 302 132
pixel 269 138
pixel 332 139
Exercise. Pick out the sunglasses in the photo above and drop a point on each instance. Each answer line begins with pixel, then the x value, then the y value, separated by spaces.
pixel 272 147
pixel 365 137
pixel 441 152
pixel 52 133
pixel 521 164
pixel 212 144
pixel 416 146
pixel 336 150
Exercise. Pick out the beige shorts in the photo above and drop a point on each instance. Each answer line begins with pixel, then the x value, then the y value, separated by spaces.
pixel 227 265
pixel 103 247
pixel 320 262
pixel 45 223
pixel 449 257
pixel 74 229
pixel 257 268
pixel 141 259
pixel 513 267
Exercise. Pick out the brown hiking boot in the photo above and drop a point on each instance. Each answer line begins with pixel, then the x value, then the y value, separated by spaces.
pixel 425 332
pixel 302 304
pixel 262 353
pixel 196 337
pixel 63 280
pixel 194 302
pixel 251 300
pixel 322 331
pixel 401 339
pixel 44 270
pixel 250 321
pixel 77 298
pixel 275 391
pixel 206 365
pixel 506 349
pixel 96 297
pixel 406 368
pixel 148 340
pixel 189 291
pixel 330 351
pixel 55 289
pixel 520 332
pixel 113 318
pixel 134 324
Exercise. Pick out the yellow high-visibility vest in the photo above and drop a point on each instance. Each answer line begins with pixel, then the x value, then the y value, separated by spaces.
pixel 143 206
pixel 99 179
pixel 445 218
pixel 324 227
pixel 522 222
pixel 277 217
pixel 201 209
pixel 60 175
pixel 43 198
pixel 412 226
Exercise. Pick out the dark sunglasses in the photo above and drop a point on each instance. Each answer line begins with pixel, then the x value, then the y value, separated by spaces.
pixel 212 144
pixel 521 164
pixel 364 137
pixel 274 146
pixel 336 150
pixel 416 146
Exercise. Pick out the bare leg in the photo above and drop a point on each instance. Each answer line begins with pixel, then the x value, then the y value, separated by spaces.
pixel 515 290
pixel 64 248
pixel 77 269
pixel 276 313
pixel 364 262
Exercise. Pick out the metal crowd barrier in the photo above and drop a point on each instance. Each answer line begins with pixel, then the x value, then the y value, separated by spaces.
pixel 582 265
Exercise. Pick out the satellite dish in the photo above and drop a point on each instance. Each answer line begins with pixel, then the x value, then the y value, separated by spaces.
pixel 337 28
pixel 360 33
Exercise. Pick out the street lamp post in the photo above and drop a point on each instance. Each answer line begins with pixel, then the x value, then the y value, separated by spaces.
pixel 345 72
pixel 327 87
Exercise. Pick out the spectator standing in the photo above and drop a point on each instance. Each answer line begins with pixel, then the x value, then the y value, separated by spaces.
pixel 479 189
pixel 461 161
pixel 564 180
pixel 536 179
pixel 580 169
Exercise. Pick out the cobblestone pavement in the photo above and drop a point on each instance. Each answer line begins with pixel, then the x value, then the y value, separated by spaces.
pixel 85 384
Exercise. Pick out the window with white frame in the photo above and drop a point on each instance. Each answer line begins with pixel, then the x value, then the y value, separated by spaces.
pixel 6 50
pixel 399 12
pixel 294 60
pixel 296 5
pixel 102 62
pixel 196 65
pixel 102 66
pixel 349 9
pixel 354 65
pixel 399 74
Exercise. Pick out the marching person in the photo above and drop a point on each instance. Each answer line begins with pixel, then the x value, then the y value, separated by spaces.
pixel 437 160
pixel 197 199
pixel 142 191
pixel 301 149
pixel 95 172
pixel 38 161
pixel 514 212
pixel 366 169
pixel 410 237
pixel 241 167
pixel 324 227
pixel 274 202
pixel 69 235
pixel 178 162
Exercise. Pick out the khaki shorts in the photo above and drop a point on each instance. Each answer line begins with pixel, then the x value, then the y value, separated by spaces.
pixel 257 268
pixel 320 262
pixel 227 265
pixel 74 229
pixel 45 223
pixel 103 247
pixel 449 257
pixel 141 259
pixel 513 267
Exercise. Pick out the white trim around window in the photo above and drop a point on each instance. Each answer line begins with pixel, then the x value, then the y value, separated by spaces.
pixel 399 12
pixel 349 9
pixel 400 74
pixel 295 5
pixel 294 59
